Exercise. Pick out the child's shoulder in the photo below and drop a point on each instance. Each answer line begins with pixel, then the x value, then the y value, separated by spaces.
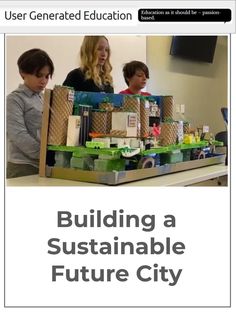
pixel 145 93
pixel 19 95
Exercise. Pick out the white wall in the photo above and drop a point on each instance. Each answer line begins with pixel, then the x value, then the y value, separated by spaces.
pixel 64 51
pixel 201 87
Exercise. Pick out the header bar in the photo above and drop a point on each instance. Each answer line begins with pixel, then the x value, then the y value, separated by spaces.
pixel 131 17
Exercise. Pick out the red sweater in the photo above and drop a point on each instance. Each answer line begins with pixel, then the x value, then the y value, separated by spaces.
pixel 127 91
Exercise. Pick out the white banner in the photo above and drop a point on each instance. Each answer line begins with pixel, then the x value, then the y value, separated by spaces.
pixel 117 247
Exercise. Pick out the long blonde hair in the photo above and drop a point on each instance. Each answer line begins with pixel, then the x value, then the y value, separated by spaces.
pixel 89 59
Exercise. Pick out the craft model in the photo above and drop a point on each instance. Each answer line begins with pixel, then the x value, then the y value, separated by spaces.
pixel 114 138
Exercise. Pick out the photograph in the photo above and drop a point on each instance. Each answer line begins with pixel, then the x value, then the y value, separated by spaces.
pixel 129 110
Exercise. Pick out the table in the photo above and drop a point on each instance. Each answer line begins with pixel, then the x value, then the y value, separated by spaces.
pixel 184 178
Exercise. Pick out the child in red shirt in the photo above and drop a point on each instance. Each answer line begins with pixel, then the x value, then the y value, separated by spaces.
pixel 136 74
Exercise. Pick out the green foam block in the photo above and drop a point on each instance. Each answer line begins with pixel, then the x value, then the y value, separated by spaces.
pixel 62 159
pixel 84 163
pixel 109 164
pixel 171 158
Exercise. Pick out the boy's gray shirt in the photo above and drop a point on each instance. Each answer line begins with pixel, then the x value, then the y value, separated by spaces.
pixel 24 118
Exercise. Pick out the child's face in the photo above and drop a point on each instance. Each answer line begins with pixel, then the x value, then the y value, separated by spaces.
pixel 37 82
pixel 102 51
pixel 138 81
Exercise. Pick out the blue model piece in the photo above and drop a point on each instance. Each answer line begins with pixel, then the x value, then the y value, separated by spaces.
pixel 95 98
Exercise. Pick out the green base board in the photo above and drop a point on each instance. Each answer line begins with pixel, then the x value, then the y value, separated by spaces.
pixel 80 151
pixel 119 177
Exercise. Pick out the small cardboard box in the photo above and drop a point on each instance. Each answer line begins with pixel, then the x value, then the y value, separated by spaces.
pixel 125 121
pixel 73 131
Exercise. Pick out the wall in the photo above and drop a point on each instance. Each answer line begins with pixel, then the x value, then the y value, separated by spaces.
pixel 201 87
pixel 64 51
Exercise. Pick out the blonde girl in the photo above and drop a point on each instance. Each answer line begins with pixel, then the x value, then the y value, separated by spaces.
pixel 94 73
